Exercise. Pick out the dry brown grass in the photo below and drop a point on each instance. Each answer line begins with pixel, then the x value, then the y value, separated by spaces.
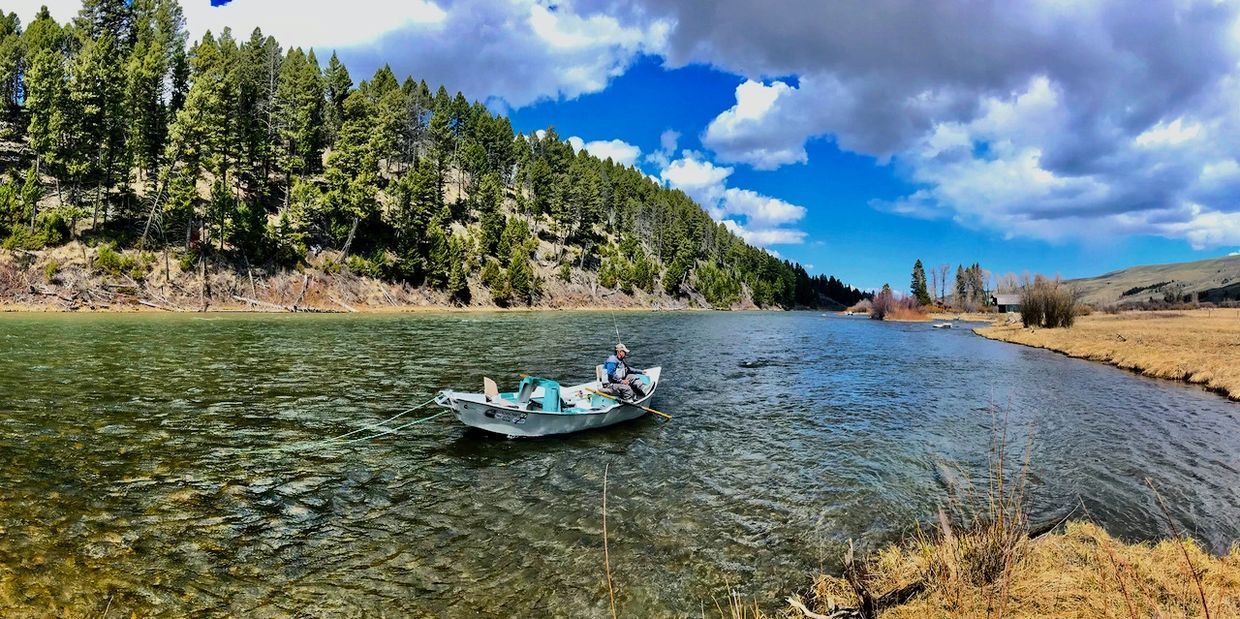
pixel 907 314
pixel 1197 346
pixel 1080 573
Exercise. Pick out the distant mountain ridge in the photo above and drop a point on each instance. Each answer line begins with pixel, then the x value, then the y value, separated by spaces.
pixel 1214 279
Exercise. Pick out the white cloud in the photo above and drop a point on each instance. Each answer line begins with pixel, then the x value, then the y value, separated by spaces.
pixel 517 51
pixel 765 217
pixel 1169 134
pixel 321 24
pixel 992 172
pixel 764 237
pixel 667 149
pixel 1234 253
pixel 760 210
pixel 701 179
pixel 744 132
pixel 618 151
pixel 1032 119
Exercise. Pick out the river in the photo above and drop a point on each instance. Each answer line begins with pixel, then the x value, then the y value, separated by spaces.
pixel 165 464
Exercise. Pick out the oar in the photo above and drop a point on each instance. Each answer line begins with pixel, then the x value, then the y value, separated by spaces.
pixel 611 397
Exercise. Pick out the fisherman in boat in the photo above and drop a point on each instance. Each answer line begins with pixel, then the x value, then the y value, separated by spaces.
pixel 621 380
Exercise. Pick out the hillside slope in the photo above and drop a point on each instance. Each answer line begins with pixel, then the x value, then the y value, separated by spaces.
pixel 1216 279
pixel 241 154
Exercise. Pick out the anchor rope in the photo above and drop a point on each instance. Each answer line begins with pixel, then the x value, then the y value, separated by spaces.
pixel 336 440
pixel 380 424
pixel 396 429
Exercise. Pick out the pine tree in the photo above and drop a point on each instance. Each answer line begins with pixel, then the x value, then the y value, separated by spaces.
pixel 338 85
pixel 391 109
pixel 488 202
pixel 46 93
pixel 11 63
pixel 443 142
pixel 918 287
pixel 438 249
pixel 458 287
pixel 521 274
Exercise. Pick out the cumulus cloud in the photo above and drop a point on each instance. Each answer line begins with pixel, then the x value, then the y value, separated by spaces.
pixel 519 51
pixel 618 151
pixel 759 219
pixel 701 179
pixel 741 133
pixel 667 149
pixel 1045 119
pixel 507 53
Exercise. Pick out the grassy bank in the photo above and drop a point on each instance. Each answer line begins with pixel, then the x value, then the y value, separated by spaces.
pixel 1078 573
pixel 1197 346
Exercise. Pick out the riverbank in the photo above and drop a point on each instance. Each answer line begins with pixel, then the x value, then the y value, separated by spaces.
pixel 1196 346
pixel 1077 573
pixel 78 278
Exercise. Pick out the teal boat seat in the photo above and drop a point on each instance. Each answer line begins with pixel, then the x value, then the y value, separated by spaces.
pixel 550 400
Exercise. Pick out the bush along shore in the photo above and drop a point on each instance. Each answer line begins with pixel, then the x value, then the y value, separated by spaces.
pixel 1196 346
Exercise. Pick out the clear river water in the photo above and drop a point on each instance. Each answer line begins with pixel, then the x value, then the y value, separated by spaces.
pixel 165 464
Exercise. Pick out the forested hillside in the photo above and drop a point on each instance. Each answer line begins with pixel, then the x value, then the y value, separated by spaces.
pixel 240 154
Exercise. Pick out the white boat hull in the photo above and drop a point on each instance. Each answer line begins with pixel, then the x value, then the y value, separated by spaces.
pixel 509 419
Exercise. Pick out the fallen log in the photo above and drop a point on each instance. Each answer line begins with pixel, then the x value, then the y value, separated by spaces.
pixel 342 303
pixel 157 305
pixel 258 303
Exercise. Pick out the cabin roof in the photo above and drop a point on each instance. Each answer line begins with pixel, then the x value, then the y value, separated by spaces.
pixel 1007 299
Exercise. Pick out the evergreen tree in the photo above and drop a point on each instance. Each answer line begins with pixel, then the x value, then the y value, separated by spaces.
pixel 918 288
pixel 338 85
pixel 12 59
pixel 458 287
pixel 438 249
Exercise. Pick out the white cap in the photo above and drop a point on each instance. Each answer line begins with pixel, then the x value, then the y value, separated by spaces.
pixel 622 348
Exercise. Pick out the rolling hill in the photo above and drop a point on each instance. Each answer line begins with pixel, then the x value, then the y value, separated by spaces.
pixel 1216 279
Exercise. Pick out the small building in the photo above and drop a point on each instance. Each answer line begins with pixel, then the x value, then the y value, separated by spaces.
pixel 1005 302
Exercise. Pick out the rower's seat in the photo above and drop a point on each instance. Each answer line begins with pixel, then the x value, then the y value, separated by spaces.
pixel 527 391
pixel 600 374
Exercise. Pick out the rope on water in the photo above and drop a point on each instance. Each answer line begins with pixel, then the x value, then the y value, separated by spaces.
pixel 381 424
pixel 396 429
pixel 336 440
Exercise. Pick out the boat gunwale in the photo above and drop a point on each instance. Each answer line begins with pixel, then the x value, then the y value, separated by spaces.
pixel 603 411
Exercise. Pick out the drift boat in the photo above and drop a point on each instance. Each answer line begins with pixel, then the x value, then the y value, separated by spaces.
pixel 541 406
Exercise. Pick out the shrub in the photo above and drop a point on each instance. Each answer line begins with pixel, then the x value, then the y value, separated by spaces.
pixel 112 262
pixel 187 261
pixel 882 304
pixel 494 277
pixel 887 305
pixel 566 272
pixel 861 307
pixel 377 266
pixel 50 271
pixel 1047 303
pixel 50 229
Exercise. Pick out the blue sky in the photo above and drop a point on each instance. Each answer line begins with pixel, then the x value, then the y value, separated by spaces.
pixel 1070 138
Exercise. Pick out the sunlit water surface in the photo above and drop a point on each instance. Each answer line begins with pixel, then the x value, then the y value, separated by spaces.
pixel 162 464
